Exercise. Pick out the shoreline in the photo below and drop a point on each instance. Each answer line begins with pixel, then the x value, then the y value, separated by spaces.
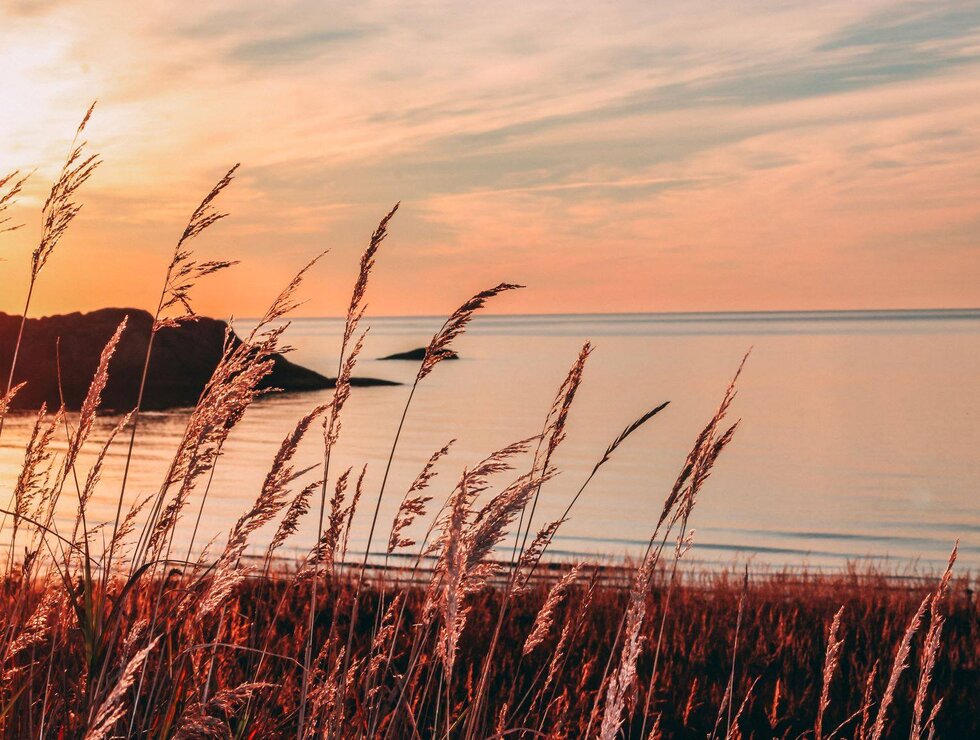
pixel 616 571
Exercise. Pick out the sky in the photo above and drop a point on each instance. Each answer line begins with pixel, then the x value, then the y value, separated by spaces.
pixel 626 156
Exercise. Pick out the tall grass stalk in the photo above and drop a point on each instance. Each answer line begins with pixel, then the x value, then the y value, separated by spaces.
pixel 438 349
pixel 345 368
pixel 57 214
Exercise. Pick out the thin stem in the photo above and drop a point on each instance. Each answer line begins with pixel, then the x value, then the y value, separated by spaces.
pixel 311 623
pixel 132 434
pixel 367 547
pixel 10 382
pixel 20 336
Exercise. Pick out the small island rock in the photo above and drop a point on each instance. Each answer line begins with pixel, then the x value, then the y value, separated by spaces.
pixel 416 355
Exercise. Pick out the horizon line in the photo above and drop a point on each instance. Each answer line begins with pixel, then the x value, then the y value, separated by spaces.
pixel 753 312
pixel 555 314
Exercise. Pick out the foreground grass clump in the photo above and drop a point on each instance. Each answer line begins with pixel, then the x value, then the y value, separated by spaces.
pixel 126 628
pixel 779 655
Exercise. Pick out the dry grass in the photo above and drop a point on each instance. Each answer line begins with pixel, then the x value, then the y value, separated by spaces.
pixel 782 643
pixel 108 632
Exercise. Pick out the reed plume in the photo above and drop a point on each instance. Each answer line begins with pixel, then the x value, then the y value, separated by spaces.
pixel 233 386
pixel 276 487
pixel 184 270
pixel 831 661
pixel 556 422
pixel 33 632
pixel 355 311
pixel 351 510
pixel 210 719
pixel 440 346
pixel 32 489
pixel 678 506
pixel 182 274
pixel 95 471
pixel 11 185
pixel 59 210
pixel 930 652
pixel 93 398
pixel 867 701
pixel 438 349
pixel 467 541
pixel 559 658
pixel 331 432
pixel 298 508
pixel 532 556
pixel 331 538
pixel 113 708
pixel 413 503
pixel 898 668
pixel 232 389
pixel 552 435
pixel 270 502
pixel 8 398
pixel 546 616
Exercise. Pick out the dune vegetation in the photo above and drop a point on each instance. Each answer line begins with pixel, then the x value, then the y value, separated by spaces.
pixel 454 621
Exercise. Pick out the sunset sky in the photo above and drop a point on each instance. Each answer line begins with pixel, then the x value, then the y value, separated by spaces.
pixel 627 156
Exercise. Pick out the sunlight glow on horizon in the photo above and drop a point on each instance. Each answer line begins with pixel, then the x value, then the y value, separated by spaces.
pixel 613 158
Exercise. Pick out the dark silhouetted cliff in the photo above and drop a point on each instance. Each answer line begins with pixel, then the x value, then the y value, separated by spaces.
pixel 182 362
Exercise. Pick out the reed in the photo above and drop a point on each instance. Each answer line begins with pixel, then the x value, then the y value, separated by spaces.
pixel 467 628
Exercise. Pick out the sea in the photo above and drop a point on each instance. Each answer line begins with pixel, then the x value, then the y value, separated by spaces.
pixel 858 442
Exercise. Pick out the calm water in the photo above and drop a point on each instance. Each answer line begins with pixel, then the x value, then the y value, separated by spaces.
pixel 860 434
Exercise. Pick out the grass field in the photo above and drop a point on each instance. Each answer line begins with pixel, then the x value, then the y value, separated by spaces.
pixel 247 660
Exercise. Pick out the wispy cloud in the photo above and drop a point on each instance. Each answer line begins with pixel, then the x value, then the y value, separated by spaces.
pixel 296 47
pixel 611 155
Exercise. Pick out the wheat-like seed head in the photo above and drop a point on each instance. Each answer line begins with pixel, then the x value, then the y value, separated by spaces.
pixel 413 504
pixel 113 707
pixel 233 386
pixel 184 271
pixel 557 419
pixel 930 650
pixel 440 347
pixel 546 615
pixel 532 555
pixel 10 187
pixel 355 311
pixel 298 508
pixel 831 661
pixel 95 472
pixel 898 668
pixel 93 398
pixel 32 489
pixel 60 208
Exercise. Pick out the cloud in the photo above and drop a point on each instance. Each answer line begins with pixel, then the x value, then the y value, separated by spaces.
pixel 29 8
pixel 295 48
pixel 909 25
pixel 612 154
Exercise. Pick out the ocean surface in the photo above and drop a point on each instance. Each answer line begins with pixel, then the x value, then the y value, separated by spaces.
pixel 859 439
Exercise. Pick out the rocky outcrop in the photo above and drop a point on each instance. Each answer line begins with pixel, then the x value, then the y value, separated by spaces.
pixel 416 355
pixel 182 361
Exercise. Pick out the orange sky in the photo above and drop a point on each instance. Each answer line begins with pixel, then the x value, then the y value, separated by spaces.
pixel 613 157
